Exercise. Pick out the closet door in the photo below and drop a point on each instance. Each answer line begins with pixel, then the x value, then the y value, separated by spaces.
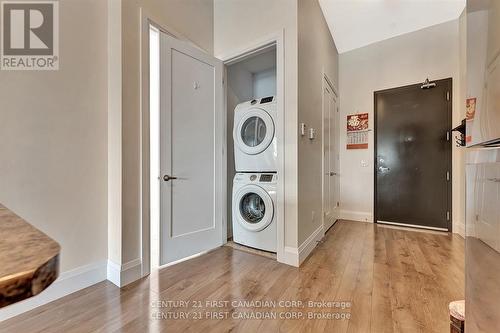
pixel 191 155
pixel 331 188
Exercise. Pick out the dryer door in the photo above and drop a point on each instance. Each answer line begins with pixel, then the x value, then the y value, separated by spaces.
pixel 255 132
pixel 253 208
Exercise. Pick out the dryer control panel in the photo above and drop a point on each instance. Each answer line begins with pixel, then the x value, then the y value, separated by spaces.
pixel 266 100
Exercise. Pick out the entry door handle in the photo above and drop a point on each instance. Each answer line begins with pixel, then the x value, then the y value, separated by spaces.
pixel 383 169
pixel 333 173
pixel 168 178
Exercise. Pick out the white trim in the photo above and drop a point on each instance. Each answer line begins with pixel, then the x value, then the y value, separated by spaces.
pixel 258 45
pixel 114 131
pixel 413 226
pixel 310 243
pixel 283 254
pixel 296 256
pixel 290 256
pixel 113 273
pixel 356 216
pixel 224 191
pixel 67 283
pixel 459 228
pixel 124 274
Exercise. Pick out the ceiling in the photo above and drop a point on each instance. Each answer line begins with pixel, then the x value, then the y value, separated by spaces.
pixel 357 23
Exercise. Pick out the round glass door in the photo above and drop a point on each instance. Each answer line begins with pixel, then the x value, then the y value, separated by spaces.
pixel 252 208
pixel 255 208
pixel 255 132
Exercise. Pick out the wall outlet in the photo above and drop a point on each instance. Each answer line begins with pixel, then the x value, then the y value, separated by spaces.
pixel 313 215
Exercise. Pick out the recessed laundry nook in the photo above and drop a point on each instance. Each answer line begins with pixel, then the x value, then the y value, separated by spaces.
pixel 252 146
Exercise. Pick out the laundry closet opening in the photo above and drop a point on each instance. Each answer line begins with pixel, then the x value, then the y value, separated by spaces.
pixel 252 161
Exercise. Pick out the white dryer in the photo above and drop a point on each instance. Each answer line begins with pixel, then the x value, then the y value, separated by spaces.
pixel 254 134
pixel 254 210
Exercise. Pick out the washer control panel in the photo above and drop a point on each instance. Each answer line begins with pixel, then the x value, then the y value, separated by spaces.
pixel 266 178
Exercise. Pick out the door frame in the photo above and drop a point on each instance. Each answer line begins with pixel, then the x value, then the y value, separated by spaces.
pixel 146 20
pixel 275 39
pixel 448 157
pixel 326 82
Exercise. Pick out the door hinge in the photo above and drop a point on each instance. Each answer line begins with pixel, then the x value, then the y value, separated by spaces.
pixel 447 175
pixel 447 215
pixel 338 204
pixel 447 95
pixel 337 109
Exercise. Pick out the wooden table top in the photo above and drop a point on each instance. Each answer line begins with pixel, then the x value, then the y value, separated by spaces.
pixel 29 259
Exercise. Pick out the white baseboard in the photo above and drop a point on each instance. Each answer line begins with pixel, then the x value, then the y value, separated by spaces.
pixel 67 283
pixel 290 256
pixel 295 256
pixel 356 216
pixel 124 274
pixel 459 228
pixel 310 243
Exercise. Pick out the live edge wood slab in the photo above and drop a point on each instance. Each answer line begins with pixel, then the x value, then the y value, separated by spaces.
pixel 29 259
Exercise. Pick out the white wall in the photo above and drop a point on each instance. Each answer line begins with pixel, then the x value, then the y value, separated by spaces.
pixel 53 148
pixel 264 83
pixel 317 55
pixel 408 59
pixel 240 23
pixel 53 139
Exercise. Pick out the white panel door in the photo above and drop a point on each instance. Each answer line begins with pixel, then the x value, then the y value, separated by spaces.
pixel 331 188
pixel 335 159
pixel 191 150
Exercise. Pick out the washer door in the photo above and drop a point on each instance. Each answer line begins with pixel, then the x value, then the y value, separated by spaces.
pixel 255 132
pixel 254 210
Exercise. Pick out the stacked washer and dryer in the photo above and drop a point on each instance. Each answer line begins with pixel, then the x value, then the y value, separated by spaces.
pixel 256 164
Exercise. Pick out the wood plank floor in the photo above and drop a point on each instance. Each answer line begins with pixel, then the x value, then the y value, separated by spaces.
pixel 394 281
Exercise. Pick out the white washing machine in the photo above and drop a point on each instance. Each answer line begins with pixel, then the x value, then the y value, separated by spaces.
pixel 254 210
pixel 254 134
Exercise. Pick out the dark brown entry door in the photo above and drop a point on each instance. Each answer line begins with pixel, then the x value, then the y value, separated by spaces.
pixel 413 156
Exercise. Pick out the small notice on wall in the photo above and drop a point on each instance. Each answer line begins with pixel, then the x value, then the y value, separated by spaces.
pixel 470 107
pixel 470 113
pixel 357 131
